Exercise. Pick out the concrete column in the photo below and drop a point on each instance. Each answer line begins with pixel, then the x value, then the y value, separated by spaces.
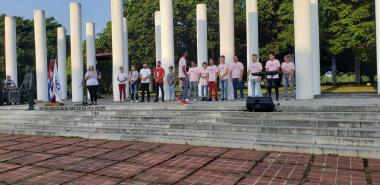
pixel 126 57
pixel 252 34
pixel 61 42
pixel 117 44
pixel 202 49
pixel 167 38
pixel 377 8
pixel 90 44
pixel 76 52
pixel 157 29
pixel 303 50
pixel 227 35
pixel 315 47
pixel 41 55
pixel 10 48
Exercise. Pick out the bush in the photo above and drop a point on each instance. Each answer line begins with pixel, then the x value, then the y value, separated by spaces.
pixel 344 78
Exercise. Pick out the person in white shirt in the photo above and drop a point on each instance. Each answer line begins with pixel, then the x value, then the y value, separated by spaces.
pixel 92 84
pixel 184 79
pixel 273 80
pixel 121 79
pixel 254 67
pixel 288 68
pixel 133 78
pixel 9 83
pixel 223 71
pixel 145 74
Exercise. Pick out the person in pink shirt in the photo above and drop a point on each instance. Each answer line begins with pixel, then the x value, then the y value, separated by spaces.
pixel 212 80
pixel 223 71
pixel 236 73
pixel 254 67
pixel 203 81
pixel 273 80
pixel 194 74
pixel 288 68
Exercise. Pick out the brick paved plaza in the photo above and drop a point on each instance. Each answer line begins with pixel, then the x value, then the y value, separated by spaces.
pixel 57 160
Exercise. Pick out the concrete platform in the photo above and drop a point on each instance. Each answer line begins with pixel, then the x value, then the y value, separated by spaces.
pixel 345 125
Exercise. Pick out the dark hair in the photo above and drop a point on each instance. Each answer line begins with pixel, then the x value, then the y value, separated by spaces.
pixel 254 55
pixel 171 67
pixel 204 63
pixel 222 56
pixel 272 53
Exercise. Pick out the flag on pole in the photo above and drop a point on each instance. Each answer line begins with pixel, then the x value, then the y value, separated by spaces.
pixel 57 88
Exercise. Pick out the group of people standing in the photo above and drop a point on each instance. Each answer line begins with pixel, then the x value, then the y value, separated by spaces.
pixel 205 77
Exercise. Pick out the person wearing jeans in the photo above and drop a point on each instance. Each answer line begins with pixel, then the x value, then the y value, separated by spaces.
pixel 194 74
pixel 273 80
pixel 133 83
pixel 223 71
pixel 171 82
pixel 184 79
pixel 254 67
pixel 212 71
pixel 288 69
pixel 236 73
pixel 203 81
pixel 145 80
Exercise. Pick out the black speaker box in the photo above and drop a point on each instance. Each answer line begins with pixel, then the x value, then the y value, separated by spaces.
pixel 260 104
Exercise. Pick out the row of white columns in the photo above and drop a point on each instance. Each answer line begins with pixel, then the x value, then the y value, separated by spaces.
pixel 120 50
pixel 306 28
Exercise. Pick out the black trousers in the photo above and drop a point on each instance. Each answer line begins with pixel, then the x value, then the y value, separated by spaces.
pixel 145 88
pixel 273 83
pixel 157 88
pixel 92 89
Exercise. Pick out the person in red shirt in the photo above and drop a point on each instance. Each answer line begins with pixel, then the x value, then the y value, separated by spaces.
pixel 159 74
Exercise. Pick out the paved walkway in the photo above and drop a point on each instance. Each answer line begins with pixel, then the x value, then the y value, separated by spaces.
pixel 57 160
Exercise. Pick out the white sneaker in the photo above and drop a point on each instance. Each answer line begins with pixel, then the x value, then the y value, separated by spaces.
pixel 195 99
pixel 132 101
pixel 186 99
pixel 137 101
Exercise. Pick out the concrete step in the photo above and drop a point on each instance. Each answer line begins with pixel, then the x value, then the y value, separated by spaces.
pixel 119 120
pixel 314 115
pixel 357 151
pixel 213 131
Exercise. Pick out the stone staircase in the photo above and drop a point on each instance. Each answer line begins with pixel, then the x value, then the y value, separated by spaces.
pixel 347 131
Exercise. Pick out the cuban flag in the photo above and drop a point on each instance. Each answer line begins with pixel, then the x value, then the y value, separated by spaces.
pixel 57 88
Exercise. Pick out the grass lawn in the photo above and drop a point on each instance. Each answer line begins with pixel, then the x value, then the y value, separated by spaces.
pixel 348 89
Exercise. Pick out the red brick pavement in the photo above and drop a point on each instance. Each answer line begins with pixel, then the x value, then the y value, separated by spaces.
pixel 334 161
pixel 336 176
pixel 59 160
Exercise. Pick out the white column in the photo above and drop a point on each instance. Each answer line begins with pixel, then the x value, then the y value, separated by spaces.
pixel 315 47
pixel 167 38
pixel 303 50
pixel 377 4
pixel 90 44
pixel 117 43
pixel 227 35
pixel 76 52
pixel 252 34
pixel 126 57
pixel 157 29
pixel 202 49
pixel 10 48
pixel 41 55
pixel 61 42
